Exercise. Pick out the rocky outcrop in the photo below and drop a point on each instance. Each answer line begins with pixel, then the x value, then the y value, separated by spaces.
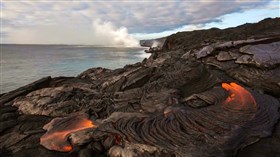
pixel 262 55
pixel 215 94
pixel 44 82
pixel 194 39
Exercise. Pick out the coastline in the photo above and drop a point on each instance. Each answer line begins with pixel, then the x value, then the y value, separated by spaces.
pixel 180 84
pixel 23 64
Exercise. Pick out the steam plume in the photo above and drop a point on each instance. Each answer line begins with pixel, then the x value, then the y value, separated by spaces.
pixel 100 33
pixel 108 34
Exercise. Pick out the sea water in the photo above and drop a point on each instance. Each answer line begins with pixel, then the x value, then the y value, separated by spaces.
pixel 23 64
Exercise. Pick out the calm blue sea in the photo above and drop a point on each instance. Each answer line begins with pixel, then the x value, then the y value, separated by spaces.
pixel 23 64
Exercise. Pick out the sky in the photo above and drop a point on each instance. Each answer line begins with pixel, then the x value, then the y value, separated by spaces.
pixel 121 22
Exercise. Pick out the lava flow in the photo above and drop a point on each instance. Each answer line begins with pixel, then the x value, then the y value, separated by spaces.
pixel 239 98
pixel 59 129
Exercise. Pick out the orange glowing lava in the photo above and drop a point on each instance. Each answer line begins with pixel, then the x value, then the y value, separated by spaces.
pixel 59 129
pixel 239 98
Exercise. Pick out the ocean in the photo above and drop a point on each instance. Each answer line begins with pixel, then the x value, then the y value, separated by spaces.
pixel 23 64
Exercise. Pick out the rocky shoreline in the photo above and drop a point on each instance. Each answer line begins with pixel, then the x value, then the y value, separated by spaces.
pixel 204 93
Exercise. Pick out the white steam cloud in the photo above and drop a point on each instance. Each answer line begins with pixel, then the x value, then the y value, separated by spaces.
pixel 155 44
pixel 110 35
pixel 99 33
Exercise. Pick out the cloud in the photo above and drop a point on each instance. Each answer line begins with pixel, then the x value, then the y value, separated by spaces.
pixel 74 18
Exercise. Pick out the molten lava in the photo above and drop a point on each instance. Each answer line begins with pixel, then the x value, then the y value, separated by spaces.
pixel 239 98
pixel 118 139
pixel 59 129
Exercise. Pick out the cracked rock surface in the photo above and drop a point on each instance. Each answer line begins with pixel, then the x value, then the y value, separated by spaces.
pixel 205 93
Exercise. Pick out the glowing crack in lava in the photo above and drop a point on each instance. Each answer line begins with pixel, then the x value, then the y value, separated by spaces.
pixel 239 98
pixel 58 130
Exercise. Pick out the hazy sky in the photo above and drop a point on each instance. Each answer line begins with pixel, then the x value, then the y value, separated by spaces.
pixel 119 22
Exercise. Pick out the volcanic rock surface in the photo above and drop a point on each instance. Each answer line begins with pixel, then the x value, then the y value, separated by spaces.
pixel 205 93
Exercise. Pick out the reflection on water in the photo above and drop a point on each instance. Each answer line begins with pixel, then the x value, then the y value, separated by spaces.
pixel 22 64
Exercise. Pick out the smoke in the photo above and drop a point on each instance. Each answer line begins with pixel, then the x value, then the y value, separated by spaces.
pixel 110 35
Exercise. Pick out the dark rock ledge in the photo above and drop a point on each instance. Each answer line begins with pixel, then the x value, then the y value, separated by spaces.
pixel 204 93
